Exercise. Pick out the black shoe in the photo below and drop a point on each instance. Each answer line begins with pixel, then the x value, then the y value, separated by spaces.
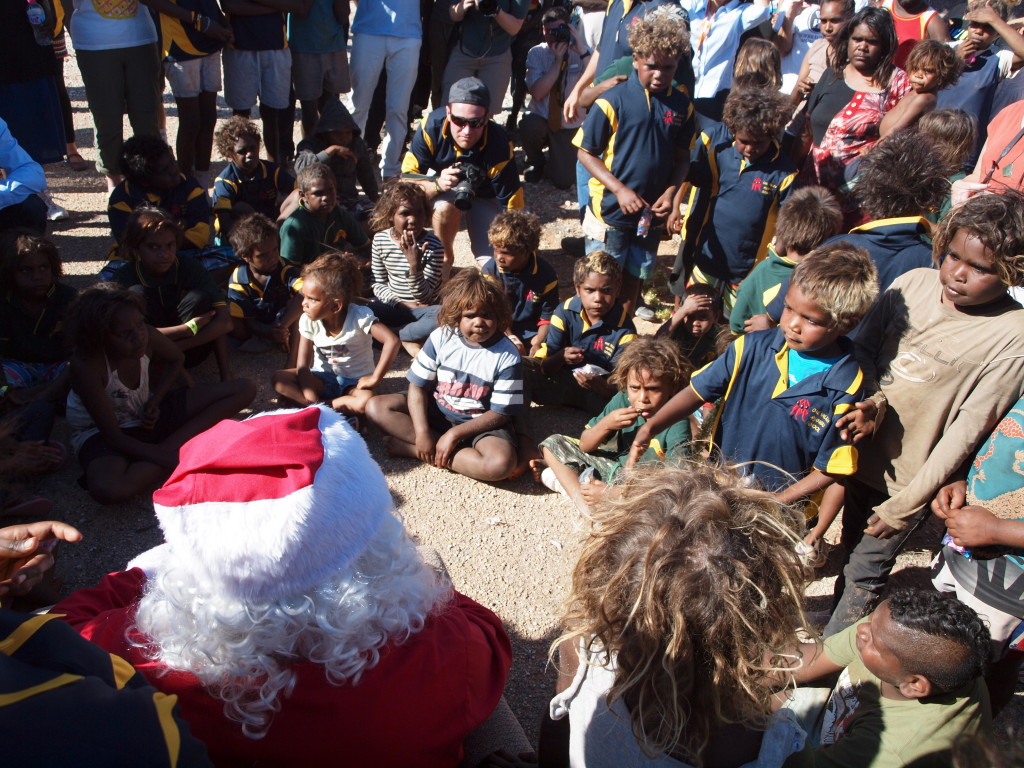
pixel 573 246
pixel 533 174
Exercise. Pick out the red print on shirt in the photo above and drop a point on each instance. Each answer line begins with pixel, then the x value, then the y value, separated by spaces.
pixel 800 410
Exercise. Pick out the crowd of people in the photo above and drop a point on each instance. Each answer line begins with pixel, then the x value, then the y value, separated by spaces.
pixel 844 338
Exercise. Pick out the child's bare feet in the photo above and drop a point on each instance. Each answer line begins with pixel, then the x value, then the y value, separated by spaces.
pixel 527 451
pixel 399 448
pixel 537 466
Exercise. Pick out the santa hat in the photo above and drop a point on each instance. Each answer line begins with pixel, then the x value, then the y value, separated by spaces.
pixel 267 508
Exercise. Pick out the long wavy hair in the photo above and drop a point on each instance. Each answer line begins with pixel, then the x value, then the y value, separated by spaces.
pixel 881 23
pixel 691 582
pixel 243 653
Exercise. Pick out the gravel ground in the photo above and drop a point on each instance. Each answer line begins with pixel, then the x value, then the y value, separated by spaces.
pixel 511 546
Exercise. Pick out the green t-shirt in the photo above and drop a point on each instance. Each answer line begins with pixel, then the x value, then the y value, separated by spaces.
pixel 759 288
pixel 669 444
pixel 862 729
pixel 304 236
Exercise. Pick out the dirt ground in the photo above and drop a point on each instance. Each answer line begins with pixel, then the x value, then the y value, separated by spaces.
pixel 511 546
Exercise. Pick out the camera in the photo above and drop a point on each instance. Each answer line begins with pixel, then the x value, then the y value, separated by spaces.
pixel 487 7
pixel 471 176
pixel 561 34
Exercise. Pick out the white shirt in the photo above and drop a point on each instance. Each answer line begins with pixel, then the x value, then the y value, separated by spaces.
pixel 716 40
pixel 350 352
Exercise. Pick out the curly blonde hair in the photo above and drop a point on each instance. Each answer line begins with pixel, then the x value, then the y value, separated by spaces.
pixel 661 358
pixel 692 583
pixel 659 34
pixel 515 231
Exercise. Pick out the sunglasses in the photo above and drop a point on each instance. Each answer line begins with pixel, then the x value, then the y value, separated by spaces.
pixel 468 122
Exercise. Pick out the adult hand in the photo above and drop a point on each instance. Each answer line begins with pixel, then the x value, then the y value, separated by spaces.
pixel 973 527
pixel 339 150
pixel 448 178
pixel 859 423
pixel 560 49
pixel 949 499
pixel 25 553
pixel 963 190
pixel 879 528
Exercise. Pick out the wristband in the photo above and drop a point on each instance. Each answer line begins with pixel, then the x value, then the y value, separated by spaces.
pixel 193 326
pixel 437 187
pixel 3 390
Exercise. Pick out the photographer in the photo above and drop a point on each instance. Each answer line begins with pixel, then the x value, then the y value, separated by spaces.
pixel 483 44
pixel 552 70
pixel 464 162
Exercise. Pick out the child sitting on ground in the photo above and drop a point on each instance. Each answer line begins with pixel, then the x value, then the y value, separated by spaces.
pixel 335 351
pixel 809 217
pixel 464 387
pixel 319 224
pixel 952 339
pixel 649 373
pixel 263 293
pixel 695 326
pixel 529 281
pixel 247 184
pixel 909 684
pixel 586 336
pixel 685 603
pixel 126 427
pixel 181 300
pixel 795 381
pixel 740 177
pixel 406 261
pixel 152 178
pixel 931 67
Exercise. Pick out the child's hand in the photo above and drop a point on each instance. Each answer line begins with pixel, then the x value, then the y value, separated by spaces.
pixel 150 414
pixel 412 250
pixel 629 201
pixel 973 527
pixel 662 207
pixel 367 382
pixel 757 323
pixel 30 457
pixel 447 445
pixel 694 303
pixel 641 442
pixel 949 499
pixel 25 553
pixel 621 418
pixel 572 356
pixel 535 345
pixel 202 321
pixel 593 491
pixel 858 423
pixel 584 379
pixel 337 150
pixel 985 14
pixel 425 447
pixel 279 333
pixel 878 528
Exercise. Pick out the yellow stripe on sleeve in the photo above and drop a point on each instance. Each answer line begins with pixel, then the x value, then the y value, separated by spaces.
pixel 164 706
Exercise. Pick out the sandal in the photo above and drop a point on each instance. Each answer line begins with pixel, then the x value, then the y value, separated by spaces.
pixel 78 163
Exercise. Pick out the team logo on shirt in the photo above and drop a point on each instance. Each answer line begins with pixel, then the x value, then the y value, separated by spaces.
pixel 672 118
pixel 606 348
pixel 531 296
pixel 800 410
pixel 763 186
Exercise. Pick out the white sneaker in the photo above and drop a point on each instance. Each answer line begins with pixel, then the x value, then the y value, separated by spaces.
pixel 56 212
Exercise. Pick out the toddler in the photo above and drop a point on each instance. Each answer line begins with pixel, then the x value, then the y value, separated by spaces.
pixel 335 350
pixel 695 326
pixel 931 66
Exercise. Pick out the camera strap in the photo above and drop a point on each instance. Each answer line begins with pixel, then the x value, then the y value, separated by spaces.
pixel 556 98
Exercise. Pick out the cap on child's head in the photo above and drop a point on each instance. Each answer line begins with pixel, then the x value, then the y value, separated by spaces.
pixel 470 90
pixel 840 278
pixel 601 262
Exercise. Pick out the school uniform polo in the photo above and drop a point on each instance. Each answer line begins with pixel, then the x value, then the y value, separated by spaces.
pixel 975 91
pixel 181 41
pixel 35 340
pixel 762 285
pixel 620 16
pixel 304 235
pixel 733 205
pixel 601 343
pixel 533 294
pixel 433 149
pixel 895 245
pixel 637 135
pixel 187 202
pixel 786 429
pixel 260 32
pixel 248 299
pixel 260 191
pixel 185 275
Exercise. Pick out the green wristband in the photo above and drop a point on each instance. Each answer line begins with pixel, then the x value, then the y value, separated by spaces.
pixel 193 326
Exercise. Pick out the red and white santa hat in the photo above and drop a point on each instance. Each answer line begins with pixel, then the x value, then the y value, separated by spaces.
pixel 269 507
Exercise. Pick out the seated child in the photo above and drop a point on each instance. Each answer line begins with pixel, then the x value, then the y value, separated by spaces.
pixel 931 67
pixel 529 281
pixel 336 143
pixel 34 349
pixel 406 261
pixel 809 217
pixel 586 336
pixel 247 184
pixel 739 177
pixel 661 664
pixel 319 224
pixel 795 381
pixel 953 340
pixel 464 387
pixel 335 350
pixel 152 178
pixel 695 326
pixel 648 374
pixel 181 300
pixel 263 293
pixel 126 427
pixel 909 684
pixel 955 134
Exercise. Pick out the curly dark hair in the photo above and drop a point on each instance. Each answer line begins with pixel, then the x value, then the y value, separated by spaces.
pixel 515 231
pixel 89 318
pixel 472 289
pixel 938 56
pixel 141 157
pixel 601 262
pixel 338 275
pixel 956 646
pixel 903 175
pixel 143 222
pixel 21 243
pixel 998 222
pixel 763 111
pixel 231 131
pixel 249 232
pixel 661 358
pixel 955 135
pixel 395 193
pixel 880 22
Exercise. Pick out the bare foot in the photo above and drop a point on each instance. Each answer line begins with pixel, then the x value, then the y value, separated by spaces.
pixel 399 448
pixel 537 466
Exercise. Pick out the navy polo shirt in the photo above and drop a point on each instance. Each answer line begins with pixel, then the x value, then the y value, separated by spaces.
pixel 260 32
pixel 636 134
pixel 601 343
pixel 974 93
pixel 620 16
pixel 895 245
pixel 248 299
pixel 533 294
pixel 259 191
pixel 433 149
pixel 733 205
pixel 786 429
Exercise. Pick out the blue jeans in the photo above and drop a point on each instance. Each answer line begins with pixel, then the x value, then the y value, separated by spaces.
pixel 635 254
pixel 412 324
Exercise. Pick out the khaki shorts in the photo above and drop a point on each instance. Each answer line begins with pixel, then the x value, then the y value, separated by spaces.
pixel 314 74
pixel 252 74
pixel 190 78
